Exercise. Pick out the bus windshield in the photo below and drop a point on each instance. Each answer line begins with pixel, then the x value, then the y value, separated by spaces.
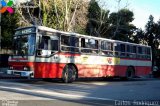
pixel 24 45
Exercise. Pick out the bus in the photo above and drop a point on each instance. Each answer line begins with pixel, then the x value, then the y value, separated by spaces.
pixel 46 53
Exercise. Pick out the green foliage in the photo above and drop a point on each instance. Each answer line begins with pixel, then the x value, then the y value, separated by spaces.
pixel 64 15
pixel 150 31
pixel 120 28
pixel 150 36
pixel 139 37
pixel 8 25
pixel 98 23
pixel 124 16
pixel 115 26
pixel 94 10
pixel 49 12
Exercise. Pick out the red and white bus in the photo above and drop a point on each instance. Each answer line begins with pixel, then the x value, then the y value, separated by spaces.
pixel 43 52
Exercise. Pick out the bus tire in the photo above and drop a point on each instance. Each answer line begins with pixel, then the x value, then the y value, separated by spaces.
pixel 69 74
pixel 130 73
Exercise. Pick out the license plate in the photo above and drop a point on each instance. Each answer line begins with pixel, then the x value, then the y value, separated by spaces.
pixel 24 74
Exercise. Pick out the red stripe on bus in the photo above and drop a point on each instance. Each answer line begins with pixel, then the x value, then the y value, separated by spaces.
pixel 55 70
pixel 135 59
pixel 69 54
pixel 19 59
pixel 20 65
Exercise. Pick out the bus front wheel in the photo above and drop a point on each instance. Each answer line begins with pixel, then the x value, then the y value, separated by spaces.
pixel 69 74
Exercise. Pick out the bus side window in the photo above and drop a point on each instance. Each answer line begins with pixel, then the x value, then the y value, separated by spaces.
pixel 134 51
pixel 85 45
pixel 65 43
pixel 54 45
pixel 116 49
pixel 123 50
pixel 143 53
pixel 106 48
pixel 65 40
pixel 69 43
pixel 148 53
pixel 93 45
pixel 43 43
pixel 139 52
pixel 89 46
pixel 83 42
pixel 96 44
pixel 130 53
pixel 74 43
pixel 128 50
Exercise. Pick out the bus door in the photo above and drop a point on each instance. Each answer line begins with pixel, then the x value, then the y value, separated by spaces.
pixel 47 48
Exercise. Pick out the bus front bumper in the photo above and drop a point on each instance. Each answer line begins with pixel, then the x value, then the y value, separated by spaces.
pixel 28 74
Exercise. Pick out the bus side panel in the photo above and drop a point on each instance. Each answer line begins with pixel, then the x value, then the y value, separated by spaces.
pixel 100 70
pixel 139 70
pixel 48 70
pixel 143 70
pixel 86 70
pixel 120 70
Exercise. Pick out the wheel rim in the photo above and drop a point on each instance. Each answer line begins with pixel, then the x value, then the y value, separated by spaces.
pixel 69 74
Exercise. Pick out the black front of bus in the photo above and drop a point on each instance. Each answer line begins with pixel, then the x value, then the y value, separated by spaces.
pixel 21 63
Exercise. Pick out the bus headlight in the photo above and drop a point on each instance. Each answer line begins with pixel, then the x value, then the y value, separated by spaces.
pixel 11 67
pixel 9 72
pixel 26 69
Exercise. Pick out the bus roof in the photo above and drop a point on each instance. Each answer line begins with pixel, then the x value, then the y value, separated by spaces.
pixel 80 35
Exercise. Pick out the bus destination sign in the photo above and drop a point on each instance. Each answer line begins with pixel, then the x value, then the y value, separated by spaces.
pixel 25 31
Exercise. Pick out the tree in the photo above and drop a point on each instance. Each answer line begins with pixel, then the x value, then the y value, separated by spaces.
pixel 138 37
pixel 152 36
pixel 98 22
pixel 58 14
pixel 66 15
pixel 8 25
pixel 125 29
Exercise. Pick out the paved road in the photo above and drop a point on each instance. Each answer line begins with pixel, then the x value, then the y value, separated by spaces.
pixel 87 92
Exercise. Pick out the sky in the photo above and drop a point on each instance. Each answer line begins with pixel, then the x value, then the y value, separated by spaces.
pixel 141 9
